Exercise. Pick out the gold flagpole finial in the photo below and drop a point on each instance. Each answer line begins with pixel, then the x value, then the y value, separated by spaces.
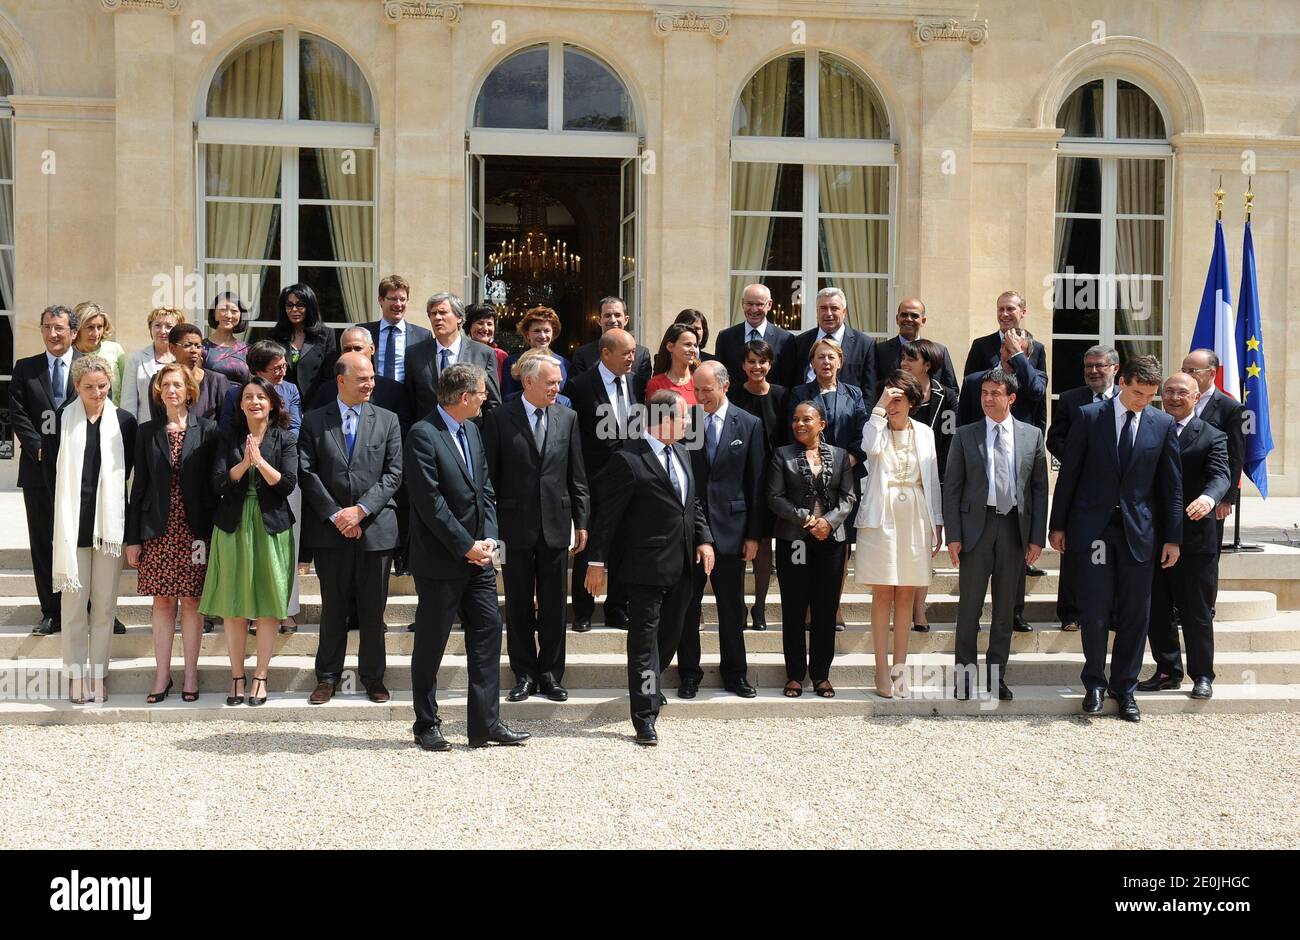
pixel 1218 200
pixel 1250 197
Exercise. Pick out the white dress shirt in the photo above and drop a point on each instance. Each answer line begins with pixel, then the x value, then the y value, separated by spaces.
pixel 762 329
pixel 679 470
pixel 66 359
pixel 838 336
pixel 1120 411
pixel 1202 401
pixel 991 440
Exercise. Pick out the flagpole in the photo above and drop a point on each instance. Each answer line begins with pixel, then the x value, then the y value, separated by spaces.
pixel 1237 544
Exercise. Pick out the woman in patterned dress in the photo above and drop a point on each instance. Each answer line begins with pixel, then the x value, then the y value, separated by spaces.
pixel 170 520
pixel 223 351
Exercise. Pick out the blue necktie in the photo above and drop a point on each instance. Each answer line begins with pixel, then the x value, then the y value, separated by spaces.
pixel 445 354
pixel 464 449
pixel 390 353
pixel 672 474
pixel 1125 442
pixel 58 385
pixel 350 431
pixel 711 438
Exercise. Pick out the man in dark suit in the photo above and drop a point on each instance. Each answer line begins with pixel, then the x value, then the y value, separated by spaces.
pixel 1100 364
pixel 349 470
pixel 728 457
pixel 756 304
pixel 1223 412
pixel 1119 488
pixel 793 368
pixel 453 536
pixel 650 528
pixel 1189 586
pixel 40 386
pixel 889 354
pixel 1011 340
pixel 995 508
pixel 608 400
pixel 392 334
pixel 534 456
pixel 613 316
pixel 426 360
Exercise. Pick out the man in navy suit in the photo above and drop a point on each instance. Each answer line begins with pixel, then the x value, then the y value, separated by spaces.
pixel 859 368
pixel 756 303
pixel 1223 412
pixel 613 316
pixel 728 456
pixel 889 354
pixel 986 352
pixel 1018 355
pixel 393 334
pixel 1120 484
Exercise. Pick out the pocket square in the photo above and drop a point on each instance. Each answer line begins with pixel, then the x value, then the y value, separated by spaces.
pixel 737 443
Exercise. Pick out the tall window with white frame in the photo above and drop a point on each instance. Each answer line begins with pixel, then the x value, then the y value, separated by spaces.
pixel 287 167
pixel 1113 178
pixel 6 254
pixel 813 183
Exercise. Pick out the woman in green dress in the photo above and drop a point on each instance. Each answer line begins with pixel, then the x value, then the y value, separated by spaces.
pixel 250 566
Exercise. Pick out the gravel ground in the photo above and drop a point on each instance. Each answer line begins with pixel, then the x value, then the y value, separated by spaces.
pixel 1221 781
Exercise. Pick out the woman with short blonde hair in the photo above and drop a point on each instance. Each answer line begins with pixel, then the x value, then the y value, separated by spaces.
pixel 94 337
pixel 540 328
pixel 144 364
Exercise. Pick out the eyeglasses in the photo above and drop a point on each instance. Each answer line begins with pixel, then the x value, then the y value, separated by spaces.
pixel 297 306
pixel 1194 371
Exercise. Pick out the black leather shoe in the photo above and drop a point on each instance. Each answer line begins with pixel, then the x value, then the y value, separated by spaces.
pixel 618 622
pixel 1034 571
pixel 1094 701
pixel 1021 625
pixel 582 626
pixel 410 628
pixel 646 736
pixel 1160 682
pixel 119 627
pixel 554 691
pixel 1004 692
pixel 688 689
pixel 208 625
pixel 520 692
pixel 47 627
pixel 920 628
pixel 1128 706
pixel 840 628
pixel 431 739
pixel 501 735
pixel 399 566
pixel 1203 688
pixel 663 700
pixel 758 616
pixel 742 688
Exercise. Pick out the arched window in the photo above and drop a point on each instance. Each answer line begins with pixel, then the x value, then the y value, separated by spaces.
pixel 1112 226
pixel 554 87
pixel 813 179
pixel 6 247
pixel 287 175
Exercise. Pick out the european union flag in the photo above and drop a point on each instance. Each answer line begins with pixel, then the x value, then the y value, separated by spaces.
pixel 1254 374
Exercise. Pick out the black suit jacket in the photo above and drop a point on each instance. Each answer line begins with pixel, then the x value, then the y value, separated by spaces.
pixel 889 356
pixel 732 487
pixel 642 530
pixel 1225 413
pixel 538 494
pixel 1030 405
pixel 146 516
pixel 1090 485
pixel 422 374
pixel 313 360
pixel 586 393
pixel 331 481
pixel 1203 449
pixel 388 395
pixel 279 450
pixel 30 400
pixel 414 334
pixel 730 347
pixel 859 359
pixel 586 357
pixel 791 500
pixel 449 511
pixel 986 353
pixel 1065 411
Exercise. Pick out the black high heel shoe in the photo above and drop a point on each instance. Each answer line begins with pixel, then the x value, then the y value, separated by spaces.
pixel 232 698
pixel 189 696
pixel 258 701
pixel 153 698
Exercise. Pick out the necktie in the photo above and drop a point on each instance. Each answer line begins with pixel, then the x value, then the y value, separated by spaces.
pixel 390 353
pixel 620 406
pixel 464 450
pixel 539 427
pixel 672 475
pixel 1178 429
pixel 350 431
pixel 58 385
pixel 445 354
pixel 753 334
pixel 1125 442
pixel 1002 472
pixel 711 438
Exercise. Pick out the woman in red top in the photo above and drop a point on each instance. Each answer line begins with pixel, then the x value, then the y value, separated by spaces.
pixel 674 362
pixel 481 323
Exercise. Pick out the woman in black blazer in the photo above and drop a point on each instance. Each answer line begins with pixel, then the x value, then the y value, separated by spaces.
pixel 250 568
pixel 301 330
pixel 169 522
pixel 811 490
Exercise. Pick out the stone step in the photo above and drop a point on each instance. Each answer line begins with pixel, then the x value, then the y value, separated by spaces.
pixel 1281 632
pixel 609 671
pixel 583 704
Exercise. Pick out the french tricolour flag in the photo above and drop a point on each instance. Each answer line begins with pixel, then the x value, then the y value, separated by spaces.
pixel 1214 324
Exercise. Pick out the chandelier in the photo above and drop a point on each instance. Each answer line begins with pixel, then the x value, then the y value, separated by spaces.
pixel 531 268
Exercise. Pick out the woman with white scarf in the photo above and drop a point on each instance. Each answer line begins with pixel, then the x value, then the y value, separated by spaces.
pixel 93 448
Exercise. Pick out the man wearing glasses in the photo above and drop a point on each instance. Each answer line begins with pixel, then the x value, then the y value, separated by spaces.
pixel 756 305
pixel 1223 412
pixel 889 354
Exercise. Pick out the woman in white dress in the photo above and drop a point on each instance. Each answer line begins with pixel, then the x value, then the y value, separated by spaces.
pixel 900 521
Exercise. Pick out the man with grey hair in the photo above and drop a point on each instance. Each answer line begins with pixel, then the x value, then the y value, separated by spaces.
pixel 40 386
pixel 755 307
pixel 388 394
pixel 453 537
pixel 859 369
pixel 426 360
pixel 534 455
pixel 613 316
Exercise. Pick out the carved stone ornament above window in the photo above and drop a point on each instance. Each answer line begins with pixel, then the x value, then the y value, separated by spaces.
pixel 397 10
pixel 927 31
pixel 692 21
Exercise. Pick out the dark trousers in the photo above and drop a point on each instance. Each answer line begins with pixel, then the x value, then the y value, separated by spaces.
pixel 1114 588
pixel 475 594
pixel 352 581
pixel 403 504
pixel 810 574
pixel 999 556
pixel 584 605
pixel 535 635
pixel 38 500
pixel 1067 589
pixel 1189 587
pixel 729 590
pixel 654 628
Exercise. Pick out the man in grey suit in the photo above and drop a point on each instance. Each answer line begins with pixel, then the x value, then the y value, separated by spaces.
pixel 349 470
pixel 427 360
pixel 995 505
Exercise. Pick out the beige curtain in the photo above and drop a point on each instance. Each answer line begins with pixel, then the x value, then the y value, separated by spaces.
pixel 6 214
pixel 335 90
pixel 1139 244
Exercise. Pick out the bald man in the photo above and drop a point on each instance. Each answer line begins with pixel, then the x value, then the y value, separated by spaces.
pixel 889 354
pixel 756 308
